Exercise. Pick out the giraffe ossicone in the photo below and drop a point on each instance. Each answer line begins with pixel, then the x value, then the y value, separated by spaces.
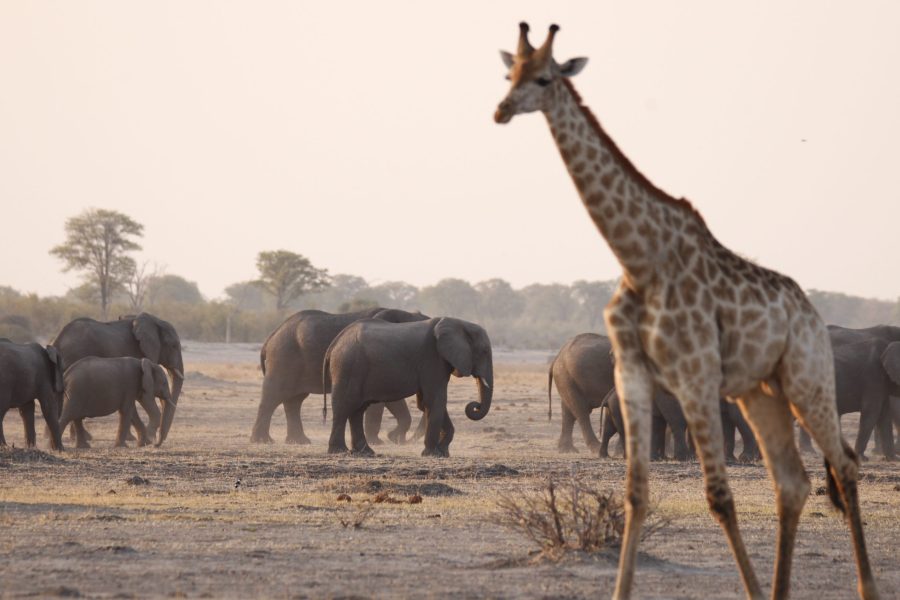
pixel 696 318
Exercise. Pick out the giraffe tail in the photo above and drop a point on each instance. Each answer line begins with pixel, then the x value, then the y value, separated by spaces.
pixel 833 492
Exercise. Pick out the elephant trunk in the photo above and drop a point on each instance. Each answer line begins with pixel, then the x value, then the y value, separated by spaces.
pixel 167 417
pixel 479 410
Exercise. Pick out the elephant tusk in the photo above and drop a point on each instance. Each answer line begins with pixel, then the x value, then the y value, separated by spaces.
pixel 485 383
pixel 178 373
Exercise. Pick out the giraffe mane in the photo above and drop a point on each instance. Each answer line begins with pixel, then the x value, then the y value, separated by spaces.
pixel 623 160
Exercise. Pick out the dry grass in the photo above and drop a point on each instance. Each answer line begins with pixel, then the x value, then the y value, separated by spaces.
pixel 72 521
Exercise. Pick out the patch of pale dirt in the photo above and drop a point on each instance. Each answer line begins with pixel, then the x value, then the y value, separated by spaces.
pixel 211 515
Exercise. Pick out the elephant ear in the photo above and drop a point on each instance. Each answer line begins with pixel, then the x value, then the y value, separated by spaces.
pixel 890 359
pixel 146 332
pixel 147 386
pixel 453 344
pixel 57 362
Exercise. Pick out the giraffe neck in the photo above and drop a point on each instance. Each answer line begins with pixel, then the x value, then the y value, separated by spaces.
pixel 647 230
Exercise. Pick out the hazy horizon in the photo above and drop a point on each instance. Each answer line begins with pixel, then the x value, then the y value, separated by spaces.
pixel 361 135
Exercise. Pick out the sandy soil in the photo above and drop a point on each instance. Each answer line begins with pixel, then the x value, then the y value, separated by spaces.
pixel 210 515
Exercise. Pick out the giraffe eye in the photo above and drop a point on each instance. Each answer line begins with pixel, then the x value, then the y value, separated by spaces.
pixel 542 81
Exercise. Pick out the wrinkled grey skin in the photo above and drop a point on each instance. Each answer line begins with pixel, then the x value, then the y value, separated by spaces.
pixel 30 372
pixel 866 375
pixel 291 361
pixel 137 336
pixel 584 376
pixel 667 412
pixel 375 361
pixel 96 387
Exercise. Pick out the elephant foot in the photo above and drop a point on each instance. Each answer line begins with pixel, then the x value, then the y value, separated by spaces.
pixel 375 441
pixel 397 437
pixel 298 439
pixel 337 449
pixel 566 448
pixel 82 445
pixel 748 457
pixel 436 452
pixel 365 452
pixel 261 438
pixel 143 442
pixel 683 457
pixel 862 457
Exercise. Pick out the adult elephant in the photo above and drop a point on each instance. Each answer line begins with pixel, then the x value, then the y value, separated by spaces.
pixel 375 361
pixel 583 371
pixel 667 413
pixel 866 376
pixel 138 336
pixel 291 361
pixel 29 372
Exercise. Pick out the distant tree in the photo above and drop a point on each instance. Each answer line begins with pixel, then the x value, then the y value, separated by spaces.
pixel 97 243
pixel 357 304
pixel 248 295
pixel 396 294
pixel 164 289
pixel 498 300
pixel 138 283
pixel 592 297
pixel 288 276
pixel 450 298
pixel 343 290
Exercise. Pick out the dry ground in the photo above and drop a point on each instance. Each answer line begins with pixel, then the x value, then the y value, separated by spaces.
pixel 75 524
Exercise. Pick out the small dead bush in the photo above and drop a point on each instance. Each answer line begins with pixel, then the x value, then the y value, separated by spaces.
pixel 574 516
pixel 360 516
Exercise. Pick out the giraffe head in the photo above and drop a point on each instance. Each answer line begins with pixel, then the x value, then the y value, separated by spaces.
pixel 534 75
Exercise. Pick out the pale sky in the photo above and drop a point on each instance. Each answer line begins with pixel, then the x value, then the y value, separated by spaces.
pixel 360 134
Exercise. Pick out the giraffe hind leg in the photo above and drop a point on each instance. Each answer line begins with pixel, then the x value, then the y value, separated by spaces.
pixel 773 426
pixel 811 394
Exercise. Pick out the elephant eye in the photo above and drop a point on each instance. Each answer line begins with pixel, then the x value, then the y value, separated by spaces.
pixel 542 81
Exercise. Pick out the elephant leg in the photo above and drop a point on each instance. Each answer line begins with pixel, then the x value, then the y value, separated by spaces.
pixel 658 438
pixel 337 442
pixel 267 405
pixel 565 443
pixel 295 434
pixel 81 440
pixel 607 431
pixel 153 414
pixel 400 410
pixel 805 441
pixel 358 443
pixel 51 418
pixel 587 432
pixel 681 450
pixel 372 423
pixel 447 431
pixel 26 411
pixel 885 431
pixel 2 437
pixel 143 435
pixel 125 414
pixel 434 413
pixel 867 421
pixel 750 452
pixel 728 432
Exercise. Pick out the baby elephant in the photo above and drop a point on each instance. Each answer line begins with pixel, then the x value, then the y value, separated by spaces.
pixel 96 387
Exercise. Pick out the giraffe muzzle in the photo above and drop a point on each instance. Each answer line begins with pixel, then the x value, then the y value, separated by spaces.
pixel 504 112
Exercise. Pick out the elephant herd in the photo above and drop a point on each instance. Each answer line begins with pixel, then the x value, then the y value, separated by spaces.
pixel 867 380
pixel 92 369
pixel 374 359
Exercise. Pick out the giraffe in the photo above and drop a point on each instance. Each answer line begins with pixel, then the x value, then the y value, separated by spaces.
pixel 699 320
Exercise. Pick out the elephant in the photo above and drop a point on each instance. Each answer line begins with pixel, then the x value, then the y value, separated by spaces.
pixel 291 360
pixel 583 371
pixel 138 336
pixel 866 376
pixel 29 372
pixel 95 387
pixel 667 412
pixel 375 361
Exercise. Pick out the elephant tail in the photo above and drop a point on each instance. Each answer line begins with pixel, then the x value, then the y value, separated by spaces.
pixel 550 392
pixel 325 377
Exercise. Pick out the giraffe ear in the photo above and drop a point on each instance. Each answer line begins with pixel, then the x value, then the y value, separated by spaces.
pixel 573 66
pixel 507 59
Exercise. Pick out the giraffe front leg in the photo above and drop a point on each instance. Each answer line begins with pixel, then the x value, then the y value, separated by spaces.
pixel 635 385
pixel 700 403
